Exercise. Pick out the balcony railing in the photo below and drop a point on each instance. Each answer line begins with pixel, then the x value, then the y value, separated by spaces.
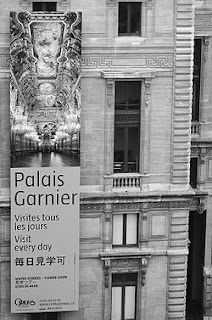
pixel 123 181
pixel 195 128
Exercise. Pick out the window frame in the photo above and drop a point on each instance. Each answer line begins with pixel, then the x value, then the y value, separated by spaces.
pixel 44 5
pixel 125 125
pixel 194 185
pixel 123 284
pixel 129 32
pixel 124 230
pixel 197 71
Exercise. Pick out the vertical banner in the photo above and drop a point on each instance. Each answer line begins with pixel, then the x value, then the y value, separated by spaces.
pixel 45 106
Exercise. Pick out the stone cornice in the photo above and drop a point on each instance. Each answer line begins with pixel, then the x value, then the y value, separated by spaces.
pixel 127 74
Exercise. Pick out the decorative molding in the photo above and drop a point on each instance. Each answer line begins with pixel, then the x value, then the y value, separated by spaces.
pixel 94 207
pixel 127 74
pixel 179 204
pixel 110 92
pixel 134 206
pixel 25 4
pixel 107 274
pixel 149 3
pixel 195 151
pixel 111 3
pixel 203 22
pixel 143 266
pixel 201 204
pixel 98 62
pixel 205 48
pixel 89 62
pixel 201 151
pixel 64 4
pixel 144 216
pixel 147 84
pixel 123 118
pixel 121 262
pixel 126 206
pixel 158 205
pixel 209 150
pixel 4 61
pixel 207 272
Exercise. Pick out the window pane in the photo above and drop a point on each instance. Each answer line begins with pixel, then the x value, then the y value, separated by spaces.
pixel 131 278
pixel 135 18
pixel 134 92
pixel 131 236
pixel 196 79
pixel 117 229
pixel 195 99
pixel 129 305
pixel 119 150
pixel 123 19
pixel 193 172
pixel 120 93
pixel 117 279
pixel 116 303
pixel 128 95
pixel 44 6
pixel 133 149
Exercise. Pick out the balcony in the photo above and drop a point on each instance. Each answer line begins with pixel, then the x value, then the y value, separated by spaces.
pixel 122 182
pixel 195 129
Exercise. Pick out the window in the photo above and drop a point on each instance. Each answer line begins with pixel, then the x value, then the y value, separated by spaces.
pixel 44 316
pixel 127 126
pixel 44 6
pixel 125 229
pixel 124 289
pixel 129 19
pixel 193 172
pixel 196 79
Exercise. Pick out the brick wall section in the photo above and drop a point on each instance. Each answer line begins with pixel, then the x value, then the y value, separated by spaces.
pixel 184 33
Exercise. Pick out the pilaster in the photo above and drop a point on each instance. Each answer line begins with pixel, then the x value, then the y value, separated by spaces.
pixel 184 34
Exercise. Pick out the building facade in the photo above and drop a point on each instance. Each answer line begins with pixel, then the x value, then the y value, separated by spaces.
pixel 146 159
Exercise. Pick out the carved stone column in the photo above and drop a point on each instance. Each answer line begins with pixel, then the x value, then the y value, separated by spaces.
pixel 112 18
pixel 143 266
pixel 204 87
pixel 145 144
pixel 108 227
pixel 202 168
pixel 110 92
pixel 144 227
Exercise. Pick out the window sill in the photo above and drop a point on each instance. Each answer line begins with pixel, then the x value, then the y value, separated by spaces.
pixel 132 40
pixel 124 182
pixel 124 254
